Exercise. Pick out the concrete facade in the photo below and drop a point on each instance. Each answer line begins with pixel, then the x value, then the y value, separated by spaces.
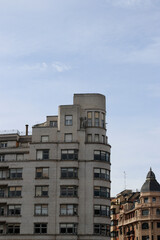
pixel 55 184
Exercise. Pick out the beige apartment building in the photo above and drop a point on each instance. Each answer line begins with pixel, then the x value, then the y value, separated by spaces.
pixel 136 216
pixel 55 183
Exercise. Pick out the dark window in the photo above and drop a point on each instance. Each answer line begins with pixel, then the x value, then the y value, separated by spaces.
pixel 145 212
pixel 2 192
pixel 3 174
pixel 102 120
pixel 89 119
pixel 14 210
pixel 15 173
pixel 153 199
pixel 101 210
pixel 40 228
pixel 69 172
pixel 100 173
pixel 158 224
pixel 53 123
pixel 102 229
pixel 68 228
pixel 96 119
pixel 113 211
pixel 14 191
pixel 42 172
pixel 41 209
pixel 42 154
pixel 68 120
pixel 158 237
pixel 145 237
pixel 68 209
pixel 41 191
pixel 158 211
pixel 13 228
pixel 145 226
pixel 102 192
pixel 2 158
pixel 69 191
pixel 69 154
pixel 146 200
pixel 101 156
pixel 3 144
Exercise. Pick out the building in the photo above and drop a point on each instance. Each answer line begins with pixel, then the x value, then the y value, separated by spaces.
pixel 137 214
pixel 55 183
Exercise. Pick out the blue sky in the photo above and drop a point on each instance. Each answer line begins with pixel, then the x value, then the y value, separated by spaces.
pixel 51 49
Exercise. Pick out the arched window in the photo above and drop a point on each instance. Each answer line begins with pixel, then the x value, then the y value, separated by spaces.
pixel 145 226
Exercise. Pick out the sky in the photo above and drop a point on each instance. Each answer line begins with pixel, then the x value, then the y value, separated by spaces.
pixel 51 49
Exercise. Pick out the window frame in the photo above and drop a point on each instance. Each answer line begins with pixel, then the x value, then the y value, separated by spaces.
pixel 15 193
pixel 102 176
pixel 18 175
pixel 68 191
pixel 15 227
pixel 68 120
pixel 103 192
pixel 103 229
pixel 15 211
pixel 68 176
pixel 67 231
pixel 41 191
pixel 42 207
pixel 42 173
pixel 44 154
pixel 100 155
pixel 68 155
pixel 102 213
pixel 67 209
pixel 40 227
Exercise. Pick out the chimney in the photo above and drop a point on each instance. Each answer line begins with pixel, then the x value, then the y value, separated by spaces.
pixel 26 129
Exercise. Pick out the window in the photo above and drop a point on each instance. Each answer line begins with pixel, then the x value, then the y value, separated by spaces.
pixel 96 119
pixel 153 199
pixel 158 211
pixel 44 138
pixel 41 191
pixel 145 237
pixel 3 144
pixel 158 224
pixel 96 137
pixel 145 212
pixel 14 210
pixel 42 172
pixel 68 228
pixel 113 211
pixel 13 228
pixel 41 209
pixel 1 228
pixel 146 200
pixel 101 156
pixel 15 173
pixel 2 158
pixel 3 174
pixel 2 192
pixel 101 210
pixel 68 137
pixel 68 209
pixel 145 226
pixel 53 123
pixel 69 172
pixel 102 192
pixel 158 237
pixel 103 139
pixel 100 173
pixel 14 191
pixel 89 138
pixel 2 210
pixel 102 229
pixel 102 120
pixel 42 154
pixel 68 120
pixel 69 191
pixel 89 119
pixel 70 154
pixel 40 228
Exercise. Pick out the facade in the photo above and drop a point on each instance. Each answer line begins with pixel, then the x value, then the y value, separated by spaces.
pixel 138 217
pixel 55 183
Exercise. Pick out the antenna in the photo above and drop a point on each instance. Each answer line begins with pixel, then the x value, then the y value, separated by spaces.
pixel 124 180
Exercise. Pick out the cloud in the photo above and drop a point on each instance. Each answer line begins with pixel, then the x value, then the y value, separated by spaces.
pixel 38 66
pixel 60 67
pixel 130 3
